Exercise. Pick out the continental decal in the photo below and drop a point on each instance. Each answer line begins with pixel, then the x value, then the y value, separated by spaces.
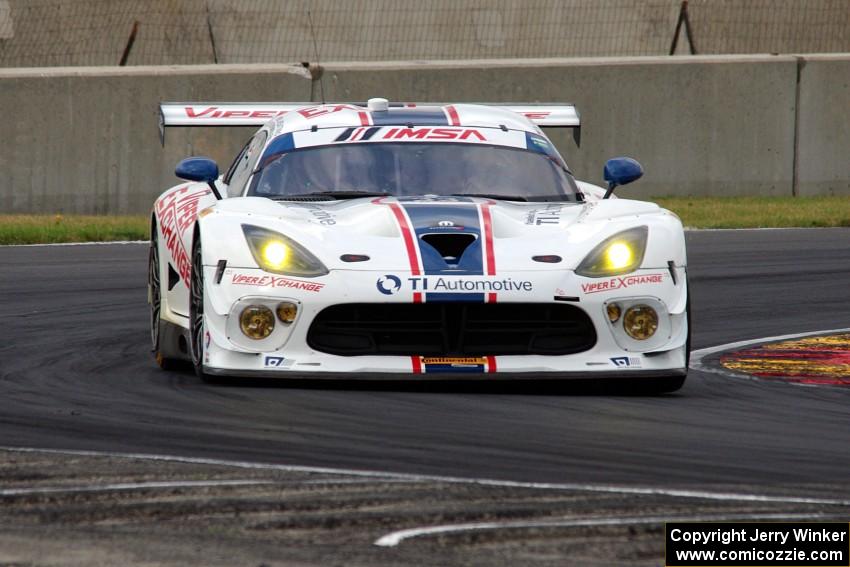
pixel 454 360
pixel 453 365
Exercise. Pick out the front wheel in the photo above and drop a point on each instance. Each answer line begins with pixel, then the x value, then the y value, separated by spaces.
pixel 662 385
pixel 673 383
pixel 196 309
pixel 669 384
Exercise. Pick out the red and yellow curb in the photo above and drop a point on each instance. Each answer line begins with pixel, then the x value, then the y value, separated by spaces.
pixel 823 360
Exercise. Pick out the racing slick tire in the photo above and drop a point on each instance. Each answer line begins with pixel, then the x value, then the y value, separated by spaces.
pixel 196 308
pixel 158 327
pixel 670 384
pixel 664 385
pixel 197 334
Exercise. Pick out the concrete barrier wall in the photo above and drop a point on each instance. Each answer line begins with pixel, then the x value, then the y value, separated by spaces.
pixel 39 33
pixel 823 155
pixel 700 126
pixel 85 140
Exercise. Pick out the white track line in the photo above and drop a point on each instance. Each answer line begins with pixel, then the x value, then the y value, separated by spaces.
pixel 394 538
pixel 698 355
pixel 130 486
pixel 379 475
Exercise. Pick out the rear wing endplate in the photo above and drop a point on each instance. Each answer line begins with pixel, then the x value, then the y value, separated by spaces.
pixel 555 115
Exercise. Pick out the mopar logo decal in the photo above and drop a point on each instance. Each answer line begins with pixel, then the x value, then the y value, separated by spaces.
pixel 388 285
pixel 626 362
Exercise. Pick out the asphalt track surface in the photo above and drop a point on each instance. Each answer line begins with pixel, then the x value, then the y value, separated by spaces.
pixel 76 373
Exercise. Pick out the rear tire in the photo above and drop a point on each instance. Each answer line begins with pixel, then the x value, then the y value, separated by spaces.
pixel 155 300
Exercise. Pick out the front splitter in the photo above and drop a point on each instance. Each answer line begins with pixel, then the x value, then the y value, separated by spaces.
pixel 446 376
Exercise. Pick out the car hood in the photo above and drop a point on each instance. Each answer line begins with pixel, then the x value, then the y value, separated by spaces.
pixel 433 234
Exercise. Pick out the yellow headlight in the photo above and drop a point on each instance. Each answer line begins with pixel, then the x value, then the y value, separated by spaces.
pixel 618 255
pixel 640 322
pixel 257 322
pixel 275 253
pixel 613 310
pixel 287 311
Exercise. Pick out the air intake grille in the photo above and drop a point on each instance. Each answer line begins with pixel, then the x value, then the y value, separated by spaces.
pixel 451 329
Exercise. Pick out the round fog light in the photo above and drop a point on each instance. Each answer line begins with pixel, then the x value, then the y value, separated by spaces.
pixel 613 310
pixel 257 321
pixel 287 311
pixel 640 322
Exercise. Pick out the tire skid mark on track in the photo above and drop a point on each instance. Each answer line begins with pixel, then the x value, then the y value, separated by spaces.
pixel 130 486
pixel 379 475
pixel 392 539
pixel 71 310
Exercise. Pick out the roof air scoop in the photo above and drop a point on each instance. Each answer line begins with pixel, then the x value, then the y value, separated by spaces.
pixel 378 105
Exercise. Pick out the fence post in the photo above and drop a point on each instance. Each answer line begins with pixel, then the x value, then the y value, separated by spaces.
pixel 683 19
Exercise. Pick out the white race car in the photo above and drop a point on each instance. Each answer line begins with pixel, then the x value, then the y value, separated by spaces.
pixel 417 241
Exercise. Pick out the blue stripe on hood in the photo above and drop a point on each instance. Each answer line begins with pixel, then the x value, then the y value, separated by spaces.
pixel 426 219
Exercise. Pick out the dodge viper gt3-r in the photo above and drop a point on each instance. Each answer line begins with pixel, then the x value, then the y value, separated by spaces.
pixel 412 241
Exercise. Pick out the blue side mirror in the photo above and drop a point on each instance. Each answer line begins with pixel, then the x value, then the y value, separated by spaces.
pixel 620 171
pixel 197 169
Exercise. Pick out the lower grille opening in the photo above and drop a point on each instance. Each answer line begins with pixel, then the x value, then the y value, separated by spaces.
pixel 451 329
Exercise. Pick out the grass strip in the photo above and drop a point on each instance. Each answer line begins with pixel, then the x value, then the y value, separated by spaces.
pixel 44 229
pixel 759 212
pixel 695 212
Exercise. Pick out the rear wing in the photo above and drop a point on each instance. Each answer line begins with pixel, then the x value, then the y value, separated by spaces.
pixel 552 115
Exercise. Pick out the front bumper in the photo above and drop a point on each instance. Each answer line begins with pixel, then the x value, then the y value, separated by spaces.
pixel 287 354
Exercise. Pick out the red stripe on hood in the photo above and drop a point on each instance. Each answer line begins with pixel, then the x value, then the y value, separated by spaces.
pixel 407 235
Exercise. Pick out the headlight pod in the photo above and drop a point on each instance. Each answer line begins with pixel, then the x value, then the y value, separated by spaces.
pixel 256 322
pixel 616 255
pixel 279 254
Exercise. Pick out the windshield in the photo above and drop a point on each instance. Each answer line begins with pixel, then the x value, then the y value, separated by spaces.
pixel 410 169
